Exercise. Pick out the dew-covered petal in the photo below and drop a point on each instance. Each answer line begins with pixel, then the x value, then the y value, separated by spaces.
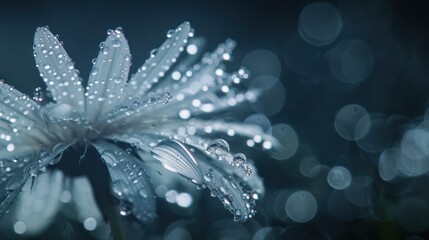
pixel 57 69
pixel 109 75
pixel 160 61
pixel 38 200
pixel 16 170
pixel 176 157
pixel 237 186
pixel 22 121
pixel 130 184
pixel 138 109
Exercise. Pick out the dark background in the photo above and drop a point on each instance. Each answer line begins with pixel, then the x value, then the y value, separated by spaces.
pixel 398 84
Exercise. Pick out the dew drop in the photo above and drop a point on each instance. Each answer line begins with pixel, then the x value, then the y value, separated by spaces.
pixel 70 65
pixel 116 43
pixel 117 80
pixel 94 71
pixel 170 33
pixel 125 208
pixel 238 159
pixel 105 50
pixel 153 52
pixel 46 66
pixel 218 146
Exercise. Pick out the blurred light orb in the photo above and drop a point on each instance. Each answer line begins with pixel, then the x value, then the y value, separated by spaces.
pixel 90 224
pixel 339 178
pixel 273 95
pixel 414 160
pixel 192 49
pixel 286 139
pixel 184 200
pixel 261 63
pixel 20 227
pixel 347 120
pixel 387 164
pixel 358 192
pixel 178 234
pixel 380 133
pixel 301 206
pixel 319 24
pixel 351 61
pixel 309 166
pixel 259 120
pixel 267 233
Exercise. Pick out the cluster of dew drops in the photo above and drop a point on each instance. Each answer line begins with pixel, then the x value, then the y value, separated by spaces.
pixel 220 148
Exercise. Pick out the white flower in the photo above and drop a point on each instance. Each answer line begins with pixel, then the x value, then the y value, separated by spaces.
pixel 166 112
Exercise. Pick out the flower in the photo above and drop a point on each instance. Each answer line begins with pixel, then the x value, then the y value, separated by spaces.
pixel 165 113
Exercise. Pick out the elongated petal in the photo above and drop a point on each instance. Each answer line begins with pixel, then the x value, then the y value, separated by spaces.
pixel 130 183
pixel 83 200
pixel 57 69
pixel 108 75
pixel 21 119
pixel 176 157
pixel 160 61
pixel 17 170
pixel 233 188
pixel 237 189
pixel 38 200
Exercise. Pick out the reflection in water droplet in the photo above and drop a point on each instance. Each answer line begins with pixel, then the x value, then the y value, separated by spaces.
pixel 218 146
pixel 238 159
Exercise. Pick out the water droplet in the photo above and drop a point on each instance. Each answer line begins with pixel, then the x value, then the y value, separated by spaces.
pixel 170 33
pixel 46 66
pixel 70 65
pixel 38 95
pixel 153 52
pixel 116 43
pixel 143 193
pixel 117 80
pixel 238 159
pixel 208 177
pixel 120 188
pixel 119 30
pixel 105 50
pixel 94 71
pixel 125 208
pixel 218 146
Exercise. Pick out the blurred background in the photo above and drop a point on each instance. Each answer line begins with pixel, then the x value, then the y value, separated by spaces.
pixel 346 91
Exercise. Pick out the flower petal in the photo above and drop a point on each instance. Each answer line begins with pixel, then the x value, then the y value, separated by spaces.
pixel 83 201
pixel 38 200
pixel 130 183
pixel 57 69
pixel 108 75
pixel 176 157
pixel 237 189
pixel 160 61
pixel 19 168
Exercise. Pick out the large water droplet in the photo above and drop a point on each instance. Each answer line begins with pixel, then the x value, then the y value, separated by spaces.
pixel 218 146
pixel 238 159
pixel 116 43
